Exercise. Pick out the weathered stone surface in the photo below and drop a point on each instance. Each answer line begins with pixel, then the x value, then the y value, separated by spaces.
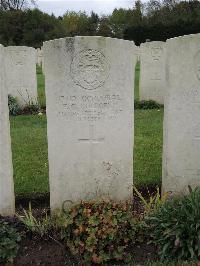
pixel 39 56
pixel 7 201
pixel 21 66
pixel 137 51
pixel 181 154
pixel 152 71
pixel 89 90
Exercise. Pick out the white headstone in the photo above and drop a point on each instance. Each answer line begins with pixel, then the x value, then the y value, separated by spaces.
pixel 7 200
pixel 181 154
pixel 152 71
pixel 21 66
pixel 89 90
pixel 39 56
pixel 138 53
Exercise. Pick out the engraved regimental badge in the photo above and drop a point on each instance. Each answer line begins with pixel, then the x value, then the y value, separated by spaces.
pixel 89 69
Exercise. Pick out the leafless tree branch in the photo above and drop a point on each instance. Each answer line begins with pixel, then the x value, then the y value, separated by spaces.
pixel 16 4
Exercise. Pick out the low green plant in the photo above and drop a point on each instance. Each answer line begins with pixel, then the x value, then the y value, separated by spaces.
pixel 14 108
pixel 9 242
pixel 147 105
pixel 169 263
pixel 152 201
pixel 99 231
pixel 34 225
pixel 38 69
pixel 31 108
pixel 175 227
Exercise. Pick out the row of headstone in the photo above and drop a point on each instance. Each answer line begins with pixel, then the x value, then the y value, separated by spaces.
pixel 170 75
pixel 91 114
pixel 90 119
pixel 23 85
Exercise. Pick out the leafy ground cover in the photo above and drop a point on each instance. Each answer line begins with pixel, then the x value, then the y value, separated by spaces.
pixel 105 232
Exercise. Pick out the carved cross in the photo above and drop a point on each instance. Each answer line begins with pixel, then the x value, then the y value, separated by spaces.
pixel 91 140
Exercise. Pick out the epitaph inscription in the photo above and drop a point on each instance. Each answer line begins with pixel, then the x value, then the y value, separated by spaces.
pixel 191 95
pixel 89 69
pixel 197 64
pixel 156 53
pixel 90 107
pixel 156 76
pixel 18 57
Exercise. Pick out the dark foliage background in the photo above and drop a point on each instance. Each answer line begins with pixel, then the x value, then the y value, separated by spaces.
pixel 154 20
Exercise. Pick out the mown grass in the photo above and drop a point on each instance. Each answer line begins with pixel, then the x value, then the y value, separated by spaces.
pixel 41 87
pixel 148 142
pixel 148 147
pixel 29 145
pixel 137 81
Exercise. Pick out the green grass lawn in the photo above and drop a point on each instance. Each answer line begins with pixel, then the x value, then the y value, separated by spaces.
pixel 41 87
pixel 148 147
pixel 29 145
pixel 137 81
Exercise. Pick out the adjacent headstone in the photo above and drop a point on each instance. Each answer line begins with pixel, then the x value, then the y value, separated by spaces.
pixel 21 66
pixel 152 71
pixel 138 53
pixel 89 90
pixel 39 57
pixel 181 154
pixel 7 200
